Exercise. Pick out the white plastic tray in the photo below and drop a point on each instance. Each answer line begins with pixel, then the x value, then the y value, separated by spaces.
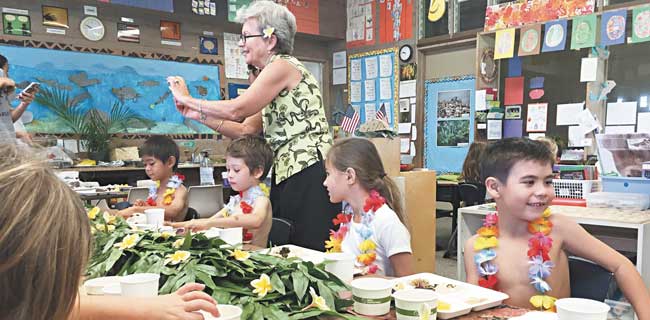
pixel 462 297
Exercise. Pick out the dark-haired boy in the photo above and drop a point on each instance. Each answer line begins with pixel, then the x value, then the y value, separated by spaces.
pixel 528 244
pixel 248 161
pixel 160 157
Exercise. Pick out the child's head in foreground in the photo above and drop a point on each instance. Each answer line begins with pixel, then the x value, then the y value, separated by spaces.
pixel 356 160
pixel 518 174
pixel 160 156
pixel 44 239
pixel 248 161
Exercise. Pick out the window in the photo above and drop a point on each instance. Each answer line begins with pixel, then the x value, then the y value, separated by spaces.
pixel 471 14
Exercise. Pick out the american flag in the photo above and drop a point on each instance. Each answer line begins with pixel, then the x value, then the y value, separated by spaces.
pixel 381 114
pixel 350 120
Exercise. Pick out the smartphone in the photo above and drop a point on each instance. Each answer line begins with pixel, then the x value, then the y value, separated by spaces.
pixel 31 87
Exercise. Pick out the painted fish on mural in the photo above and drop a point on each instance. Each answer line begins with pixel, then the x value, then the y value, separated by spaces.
pixel 160 100
pixel 81 79
pixel 54 84
pixel 148 83
pixel 126 93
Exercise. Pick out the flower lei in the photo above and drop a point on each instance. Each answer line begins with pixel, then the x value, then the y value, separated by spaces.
pixel 539 246
pixel 174 183
pixel 243 202
pixel 367 247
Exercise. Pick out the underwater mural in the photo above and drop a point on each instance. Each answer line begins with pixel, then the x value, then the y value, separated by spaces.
pixel 91 80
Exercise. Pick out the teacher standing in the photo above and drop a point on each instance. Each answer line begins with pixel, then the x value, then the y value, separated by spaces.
pixel 293 120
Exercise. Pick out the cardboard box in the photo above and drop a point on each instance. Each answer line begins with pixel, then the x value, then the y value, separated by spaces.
pixel 420 208
pixel 389 153
pixel 126 153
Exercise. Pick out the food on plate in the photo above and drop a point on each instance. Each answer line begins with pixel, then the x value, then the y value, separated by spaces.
pixel 475 300
pixel 443 306
pixel 437 287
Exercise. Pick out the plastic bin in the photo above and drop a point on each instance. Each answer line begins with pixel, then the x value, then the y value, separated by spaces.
pixel 574 189
pixel 626 184
pixel 625 201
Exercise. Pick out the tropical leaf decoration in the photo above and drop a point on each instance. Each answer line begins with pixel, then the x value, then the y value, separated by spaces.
pixel 93 125
pixel 230 275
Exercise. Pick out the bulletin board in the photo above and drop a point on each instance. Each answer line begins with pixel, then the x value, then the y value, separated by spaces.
pixel 374 71
pixel 448 122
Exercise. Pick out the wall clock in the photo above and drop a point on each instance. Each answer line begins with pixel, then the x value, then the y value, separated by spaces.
pixel 405 53
pixel 92 28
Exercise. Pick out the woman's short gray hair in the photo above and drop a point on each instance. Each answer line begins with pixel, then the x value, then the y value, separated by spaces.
pixel 271 14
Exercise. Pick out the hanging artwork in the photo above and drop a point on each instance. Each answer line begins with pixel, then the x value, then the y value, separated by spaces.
pixel 554 36
pixel 234 6
pixel 641 24
pixel 208 45
pixel 519 13
pixel 92 80
pixel 612 29
pixel 395 22
pixel 55 17
pixel 536 117
pixel 16 22
pixel 204 7
pixel 583 32
pixel 306 13
pixel 529 40
pixel 360 23
pixel 449 117
pixel 127 32
pixel 170 30
pixel 504 45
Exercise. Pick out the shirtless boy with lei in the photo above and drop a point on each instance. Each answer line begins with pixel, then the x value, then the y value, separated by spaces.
pixel 522 250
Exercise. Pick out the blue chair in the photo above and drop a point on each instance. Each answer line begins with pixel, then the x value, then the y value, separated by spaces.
pixel 589 280
pixel 280 233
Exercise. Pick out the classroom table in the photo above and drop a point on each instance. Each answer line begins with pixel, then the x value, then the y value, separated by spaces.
pixel 89 197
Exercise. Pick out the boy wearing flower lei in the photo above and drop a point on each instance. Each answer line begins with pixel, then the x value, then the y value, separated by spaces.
pixel 160 157
pixel 371 225
pixel 248 161
pixel 522 251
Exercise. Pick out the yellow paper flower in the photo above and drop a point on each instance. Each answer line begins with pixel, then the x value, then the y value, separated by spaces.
pixel 333 244
pixel 157 184
pixel 262 285
pixel 543 302
pixel 168 197
pixel 268 32
pixel 100 227
pixel 109 218
pixel 367 245
pixel 316 301
pixel 110 228
pixel 166 234
pixel 547 213
pixel 240 255
pixel 367 258
pixel 128 242
pixel 92 230
pixel 265 189
pixel 178 243
pixel 177 257
pixel 92 213
pixel 485 242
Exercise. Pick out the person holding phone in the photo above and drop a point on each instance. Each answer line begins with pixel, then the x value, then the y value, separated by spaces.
pixel 7 91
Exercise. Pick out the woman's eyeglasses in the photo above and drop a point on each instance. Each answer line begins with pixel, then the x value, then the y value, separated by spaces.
pixel 243 37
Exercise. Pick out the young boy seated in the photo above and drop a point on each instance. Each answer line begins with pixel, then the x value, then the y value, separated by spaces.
pixel 160 157
pixel 248 161
pixel 523 251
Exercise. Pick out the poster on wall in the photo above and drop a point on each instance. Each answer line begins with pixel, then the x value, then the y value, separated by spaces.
pixel 448 119
pixel 235 64
pixel 306 12
pixel 373 85
pixel 504 44
pixel 554 36
pixel 55 17
pixel 205 7
pixel 170 30
pixel 127 32
pixel 583 32
pixel 100 81
pixel 612 29
pixel 641 24
pixel 395 22
pixel 536 117
pixel 16 22
pixel 529 40
pixel 519 13
pixel 234 6
pixel 360 23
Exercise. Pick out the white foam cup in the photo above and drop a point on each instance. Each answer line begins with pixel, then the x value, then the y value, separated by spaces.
pixel 155 216
pixel 96 286
pixel 583 309
pixel 232 236
pixel 410 302
pixel 226 312
pixel 371 296
pixel 112 290
pixel 140 285
pixel 341 264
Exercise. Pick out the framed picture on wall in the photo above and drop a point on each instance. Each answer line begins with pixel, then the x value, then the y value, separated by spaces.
pixel 170 30
pixel 55 17
pixel 16 24
pixel 513 112
pixel 127 32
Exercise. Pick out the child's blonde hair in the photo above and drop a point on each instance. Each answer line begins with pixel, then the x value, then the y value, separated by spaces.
pixel 44 240
pixel 361 155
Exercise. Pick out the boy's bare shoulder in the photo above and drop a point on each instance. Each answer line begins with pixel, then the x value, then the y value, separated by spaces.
pixel 563 224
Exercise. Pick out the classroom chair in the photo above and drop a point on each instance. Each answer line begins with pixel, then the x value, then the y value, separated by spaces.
pixel 589 280
pixel 471 194
pixel 206 200
pixel 280 233
pixel 137 193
